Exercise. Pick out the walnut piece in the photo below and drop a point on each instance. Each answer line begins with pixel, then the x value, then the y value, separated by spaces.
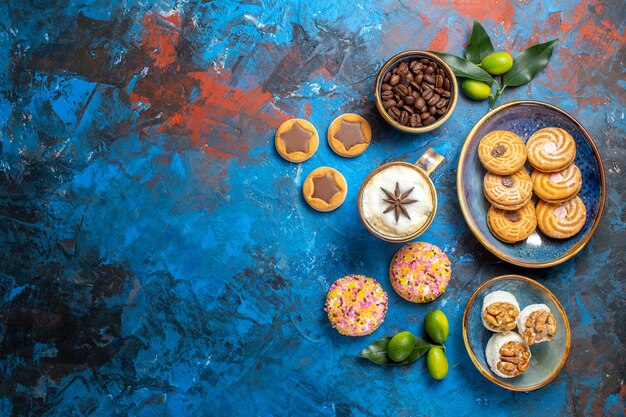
pixel 540 326
pixel 514 359
pixel 501 316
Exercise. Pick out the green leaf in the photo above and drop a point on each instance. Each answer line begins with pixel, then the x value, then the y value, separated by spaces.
pixel 465 69
pixel 527 64
pixel 479 45
pixel 377 352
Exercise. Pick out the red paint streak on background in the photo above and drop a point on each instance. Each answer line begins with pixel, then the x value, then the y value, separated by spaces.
pixel 440 41
pixel 599 38
pixel 161 35
pixel 323 72
pixel 199 106
pixel 500 11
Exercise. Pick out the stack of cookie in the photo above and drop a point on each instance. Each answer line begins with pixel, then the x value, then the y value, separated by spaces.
pixel 556 180
pixel 507 186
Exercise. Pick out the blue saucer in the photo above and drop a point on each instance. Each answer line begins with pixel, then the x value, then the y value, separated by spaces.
pixel 524 118
pixel 548 358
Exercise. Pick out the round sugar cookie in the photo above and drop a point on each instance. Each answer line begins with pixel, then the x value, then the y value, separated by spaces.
pixel 420 272
pixel 356 305
pixel 561 220
pixel 512 226
pixel 508 192
pixel 551 149
pixel 559 186
pixel 502 152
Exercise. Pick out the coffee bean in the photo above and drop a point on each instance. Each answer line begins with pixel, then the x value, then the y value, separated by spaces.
pixel 415 95
pixel 387 95
pixel 428 121
pixel 432 109
pixel 386 87
pixel 420 102
pixel 440 71
pixel 445 94
pixel 387 77
pixel 410 76
pixel 446 84
pixel 400 90
pixel 400 103
pixel 406 81
pixel 415 121
pixel 435 98
pixel 425 116
pixel 428 85
pixel 429 70
pixel 439 81
pixel 441 111
pixel 408 109
pixel 409 99
pixel 425 61
pixel 441 102
pixel 419 78
pixel 429 79
pixel 416 66
pixel 403 68
pixel 394 70
pixel 388 103
pixel 404 118
pixel 427 94
pixel 395 79
pixel 394 112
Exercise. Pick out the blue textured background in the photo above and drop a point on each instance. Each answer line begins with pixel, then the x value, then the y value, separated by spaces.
pixel 157 257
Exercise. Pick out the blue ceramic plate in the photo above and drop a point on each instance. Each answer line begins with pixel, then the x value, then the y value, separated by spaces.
pixel 548 358
pixel 524 118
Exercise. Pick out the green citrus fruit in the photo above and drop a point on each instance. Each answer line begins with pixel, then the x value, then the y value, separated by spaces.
pixel 476 90
pixel 400 346
pixel 437 363
pixel 497 63
pixel 437 327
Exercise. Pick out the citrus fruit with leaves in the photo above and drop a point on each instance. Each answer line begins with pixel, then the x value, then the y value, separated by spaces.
pixel 400 346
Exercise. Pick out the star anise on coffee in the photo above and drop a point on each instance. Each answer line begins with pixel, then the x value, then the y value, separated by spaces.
pixel 397 201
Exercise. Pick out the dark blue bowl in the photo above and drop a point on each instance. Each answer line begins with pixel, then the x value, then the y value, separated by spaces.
pixel 524 118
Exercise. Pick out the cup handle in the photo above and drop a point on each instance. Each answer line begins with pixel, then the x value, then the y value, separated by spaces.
pixel 429 161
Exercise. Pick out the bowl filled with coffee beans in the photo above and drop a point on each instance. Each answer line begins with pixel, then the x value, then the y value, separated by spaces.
pixel 416 91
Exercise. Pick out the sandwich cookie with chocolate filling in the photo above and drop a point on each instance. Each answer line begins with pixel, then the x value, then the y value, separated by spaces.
pixel 502 152
pixel 349 135
pixel 296 140
pixel 325 189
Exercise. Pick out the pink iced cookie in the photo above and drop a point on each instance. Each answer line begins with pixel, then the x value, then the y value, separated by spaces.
pixel 356 305
pixel 420 272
